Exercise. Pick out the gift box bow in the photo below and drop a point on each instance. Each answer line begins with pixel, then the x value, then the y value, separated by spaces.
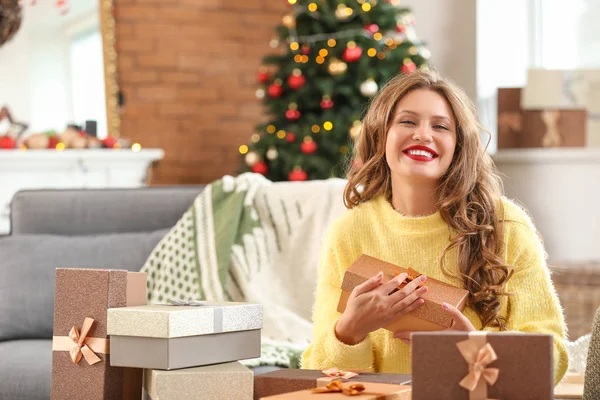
pixel 337 387
pixel 478 354
pixel 79 345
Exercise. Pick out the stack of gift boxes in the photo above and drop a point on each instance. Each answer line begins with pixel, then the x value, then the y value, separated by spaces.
pixel 109 344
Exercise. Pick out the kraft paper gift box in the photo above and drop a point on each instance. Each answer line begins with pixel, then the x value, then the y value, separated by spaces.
pixel 169 337
pixel 481 366
pixel 565 90
pixel 356 390
pixel 552 127
pixel 291 380
pixel 80 346
pixel 428 317
pixel 214 382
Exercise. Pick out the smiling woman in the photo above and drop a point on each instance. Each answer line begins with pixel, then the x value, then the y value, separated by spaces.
pixel 428 197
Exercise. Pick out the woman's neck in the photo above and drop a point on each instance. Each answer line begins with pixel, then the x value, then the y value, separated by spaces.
pixel 413 200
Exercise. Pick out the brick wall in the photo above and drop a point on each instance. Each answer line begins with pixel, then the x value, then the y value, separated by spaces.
pixel 188 71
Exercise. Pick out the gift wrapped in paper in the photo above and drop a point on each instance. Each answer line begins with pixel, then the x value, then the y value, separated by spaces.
pixel 183 335
pixel 80 346
pixel 213 382
pixel 292 380
pixel 481 366
pixel 428 317
pixel 337 389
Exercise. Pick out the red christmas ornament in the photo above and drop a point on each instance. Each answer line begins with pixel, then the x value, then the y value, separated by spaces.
pixel 408 67
pixel 275 90
pixel 308 146
pixel 292 115
pixel 6 142
pixel 290 137
pixel 109 142
pixel 400 28
pixel 298 174
pixel 305 49
pixel 52 141
pixel 352 54
pixel 296 80
pixel 326 103
pixel 260 168
pixel 263 77
pixel 373 28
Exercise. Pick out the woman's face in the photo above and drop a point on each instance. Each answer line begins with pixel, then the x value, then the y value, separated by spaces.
pixel 421 138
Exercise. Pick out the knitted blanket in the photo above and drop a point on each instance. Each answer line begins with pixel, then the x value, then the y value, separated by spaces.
pixel 247 239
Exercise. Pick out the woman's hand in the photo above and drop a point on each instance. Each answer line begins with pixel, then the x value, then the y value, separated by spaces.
pixel 460 323
pixel 371 306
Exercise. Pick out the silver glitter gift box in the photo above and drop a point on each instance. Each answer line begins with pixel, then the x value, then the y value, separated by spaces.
pixel 181 336
pixel 213 382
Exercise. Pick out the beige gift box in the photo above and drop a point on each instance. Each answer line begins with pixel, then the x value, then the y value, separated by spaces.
pixel 213 382
pixel 172 337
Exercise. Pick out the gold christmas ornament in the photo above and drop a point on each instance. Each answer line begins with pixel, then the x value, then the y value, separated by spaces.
pixel 272 153
pixel 337 67
pixel 289 21
pixel 251 158
pixel 355 129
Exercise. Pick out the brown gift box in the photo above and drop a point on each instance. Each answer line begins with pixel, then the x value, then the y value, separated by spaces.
pixel 428 317
pixel 88 293
pixel 373 391
pixel 291 380
pixel 518 128
pixel 524 363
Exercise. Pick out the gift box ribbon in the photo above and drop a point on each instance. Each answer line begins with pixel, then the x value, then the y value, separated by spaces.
pixel 79 345
pixel 478 354
pixel 337 387
pixel 411 276
pixel 334 373
pixel 217 311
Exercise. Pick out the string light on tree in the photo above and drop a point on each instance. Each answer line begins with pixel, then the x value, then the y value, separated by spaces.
pixel 289 21
pixel 260 93
pixel 408 66
pixel 274 43
pixel 369 87
pixel 298 174
pixel 343 12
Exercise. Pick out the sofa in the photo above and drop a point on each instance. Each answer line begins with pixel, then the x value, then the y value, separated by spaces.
pixel 104 228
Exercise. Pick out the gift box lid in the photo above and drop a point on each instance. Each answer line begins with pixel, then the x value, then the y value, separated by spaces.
pixel 172 321
pixel 366 267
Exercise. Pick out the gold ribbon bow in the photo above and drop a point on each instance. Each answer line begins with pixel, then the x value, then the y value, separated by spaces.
pixel 339 373
pixel 81 348
pixel 337 387
pixel 478 355
pixel 552 136
pixel 411 275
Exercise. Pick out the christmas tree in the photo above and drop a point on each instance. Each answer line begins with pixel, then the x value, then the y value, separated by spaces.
pixel 337 55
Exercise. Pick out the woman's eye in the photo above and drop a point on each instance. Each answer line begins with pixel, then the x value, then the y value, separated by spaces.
pixel 440 127
pixel 407 122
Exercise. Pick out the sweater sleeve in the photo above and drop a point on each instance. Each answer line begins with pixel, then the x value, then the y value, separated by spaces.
pixel 325 350
pixel 534 306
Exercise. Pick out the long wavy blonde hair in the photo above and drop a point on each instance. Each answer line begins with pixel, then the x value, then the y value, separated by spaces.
pixel 468 195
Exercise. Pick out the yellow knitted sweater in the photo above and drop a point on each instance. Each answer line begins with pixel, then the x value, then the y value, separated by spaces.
pixel 376 229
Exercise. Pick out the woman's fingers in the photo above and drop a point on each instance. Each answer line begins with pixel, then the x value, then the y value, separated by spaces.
pixel 392 284
pixel 368 285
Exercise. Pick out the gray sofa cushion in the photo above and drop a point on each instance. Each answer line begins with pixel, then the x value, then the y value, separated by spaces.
pixel 27 273
pixel 25 369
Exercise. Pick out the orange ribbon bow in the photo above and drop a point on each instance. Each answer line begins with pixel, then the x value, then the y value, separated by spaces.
pixel 337 387
pixel 339 373
pixel 411 276
pixel 81 348
pixel 478 359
